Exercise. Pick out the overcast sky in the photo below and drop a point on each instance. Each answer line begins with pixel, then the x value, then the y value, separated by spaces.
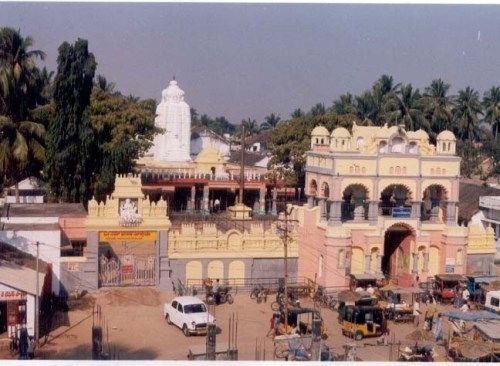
pixel 248 60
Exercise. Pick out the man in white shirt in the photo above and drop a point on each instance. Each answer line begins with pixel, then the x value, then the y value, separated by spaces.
pixel 416 313
pixel 370 290
pixel 359 289
pixel 466 295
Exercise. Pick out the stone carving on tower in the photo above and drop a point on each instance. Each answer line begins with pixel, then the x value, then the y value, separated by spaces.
pixel 174 117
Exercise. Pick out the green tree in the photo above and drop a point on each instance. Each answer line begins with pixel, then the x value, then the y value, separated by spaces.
pixel 344 105
pixel 123 129
pixel 251 126
pixel 297 113
pixel 21 150
pixel 438 105
pixel 71 150
pixel 270 122
pixel 466 113
pixel 471 159
pixel 21 139
pixel 491 105
pixel 406 106
pixel 318 109
pixel 19 75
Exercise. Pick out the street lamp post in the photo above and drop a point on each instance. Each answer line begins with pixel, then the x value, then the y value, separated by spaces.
pixel 282 230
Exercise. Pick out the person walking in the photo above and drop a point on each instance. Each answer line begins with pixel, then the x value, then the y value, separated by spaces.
pixel 429 314
pixel 438 331
pixel 416 314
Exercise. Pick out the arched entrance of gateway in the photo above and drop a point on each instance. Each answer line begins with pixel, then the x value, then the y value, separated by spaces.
pixel 397 251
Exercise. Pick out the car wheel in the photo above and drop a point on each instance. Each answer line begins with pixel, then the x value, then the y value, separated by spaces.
pixel 169 322
pixel 358 335
pixel 230 299
pixel 185 330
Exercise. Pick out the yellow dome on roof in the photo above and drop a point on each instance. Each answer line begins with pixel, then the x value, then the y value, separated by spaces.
pixel 341 132
pixel 418 134
pixel 320 131
pixel 446 135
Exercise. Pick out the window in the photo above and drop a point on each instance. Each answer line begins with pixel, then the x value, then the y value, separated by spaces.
pixel 398 170
pixel 317 140
pixel 494 301
pixel 444 146
pixel 360 141
pixel 413 148
pixel 382 147
pixel 179 308
pixel 322 142
pixel 404 170
pixel 398 145
pixel 174 304
pixel 195 308
pixel 449 146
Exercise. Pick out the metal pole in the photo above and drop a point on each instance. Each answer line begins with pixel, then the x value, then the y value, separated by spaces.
pixel 286 271
pixel 37 298
pixel 242 164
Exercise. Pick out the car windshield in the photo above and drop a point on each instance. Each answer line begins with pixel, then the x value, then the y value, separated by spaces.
pixel 195 308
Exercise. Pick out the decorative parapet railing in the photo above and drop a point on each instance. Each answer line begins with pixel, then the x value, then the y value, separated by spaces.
pixel 257 241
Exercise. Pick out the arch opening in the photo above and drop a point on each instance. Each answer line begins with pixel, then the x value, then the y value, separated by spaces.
pixel 395 201
pixel 434 201
pixel 355 202
pixel 313 187
pixel 398 240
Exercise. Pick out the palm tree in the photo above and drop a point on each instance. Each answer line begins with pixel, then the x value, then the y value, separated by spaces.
pixel 344 105
pixel 21 141
pixel 466 111
pixel 18 74
pixel 297 113
pixel 491 105
pixel 318 110
pixel 251 126
pixel 21 144
pixel 407 107
pixel 438 105
pixel 386 84
pixel 270 122
pixel 365 107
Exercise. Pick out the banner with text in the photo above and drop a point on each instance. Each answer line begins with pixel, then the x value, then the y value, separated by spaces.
pixel 127 235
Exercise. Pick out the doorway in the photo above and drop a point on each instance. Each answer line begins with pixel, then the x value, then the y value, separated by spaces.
pixel 397 250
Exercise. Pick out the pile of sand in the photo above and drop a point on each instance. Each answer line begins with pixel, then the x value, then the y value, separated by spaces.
pixel 125 296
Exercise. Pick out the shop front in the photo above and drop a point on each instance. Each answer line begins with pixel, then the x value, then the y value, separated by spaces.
pixel 13 304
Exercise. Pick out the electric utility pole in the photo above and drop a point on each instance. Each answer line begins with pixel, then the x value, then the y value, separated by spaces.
pixel 283 232
pixel 37 296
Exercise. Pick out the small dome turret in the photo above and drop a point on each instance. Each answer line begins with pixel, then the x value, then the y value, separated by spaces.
pixel 320 137
pixel 446 143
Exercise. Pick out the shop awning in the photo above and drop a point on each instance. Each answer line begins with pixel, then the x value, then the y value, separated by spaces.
pixel 20 278
pixel 490 329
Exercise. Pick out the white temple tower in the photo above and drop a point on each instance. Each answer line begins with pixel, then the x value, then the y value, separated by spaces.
pixel 174 116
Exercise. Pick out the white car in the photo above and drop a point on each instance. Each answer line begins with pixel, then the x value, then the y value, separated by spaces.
pixel 189 313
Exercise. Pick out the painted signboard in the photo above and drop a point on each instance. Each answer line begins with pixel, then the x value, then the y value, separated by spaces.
pixel 402 212
pixel 12 295
pixel 132 235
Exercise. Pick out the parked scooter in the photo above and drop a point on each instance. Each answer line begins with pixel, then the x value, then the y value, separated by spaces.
pixel 220 296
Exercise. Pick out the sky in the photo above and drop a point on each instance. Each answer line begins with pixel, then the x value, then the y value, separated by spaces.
pixel 249 60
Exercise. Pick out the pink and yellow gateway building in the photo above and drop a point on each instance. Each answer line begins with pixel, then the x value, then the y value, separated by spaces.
pixel 381 201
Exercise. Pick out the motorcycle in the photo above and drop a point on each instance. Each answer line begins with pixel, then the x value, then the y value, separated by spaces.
pixel 220 296
pixel 259 293
pixel 417 354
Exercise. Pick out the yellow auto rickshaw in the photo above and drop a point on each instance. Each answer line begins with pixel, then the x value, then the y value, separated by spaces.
pixel 359 322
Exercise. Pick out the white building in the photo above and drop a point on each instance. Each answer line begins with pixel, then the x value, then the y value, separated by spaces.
pixel 489 215
pixel 17 297
pixel 23 225
pixel 202 137
pixel 174 116
pixel 30 189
